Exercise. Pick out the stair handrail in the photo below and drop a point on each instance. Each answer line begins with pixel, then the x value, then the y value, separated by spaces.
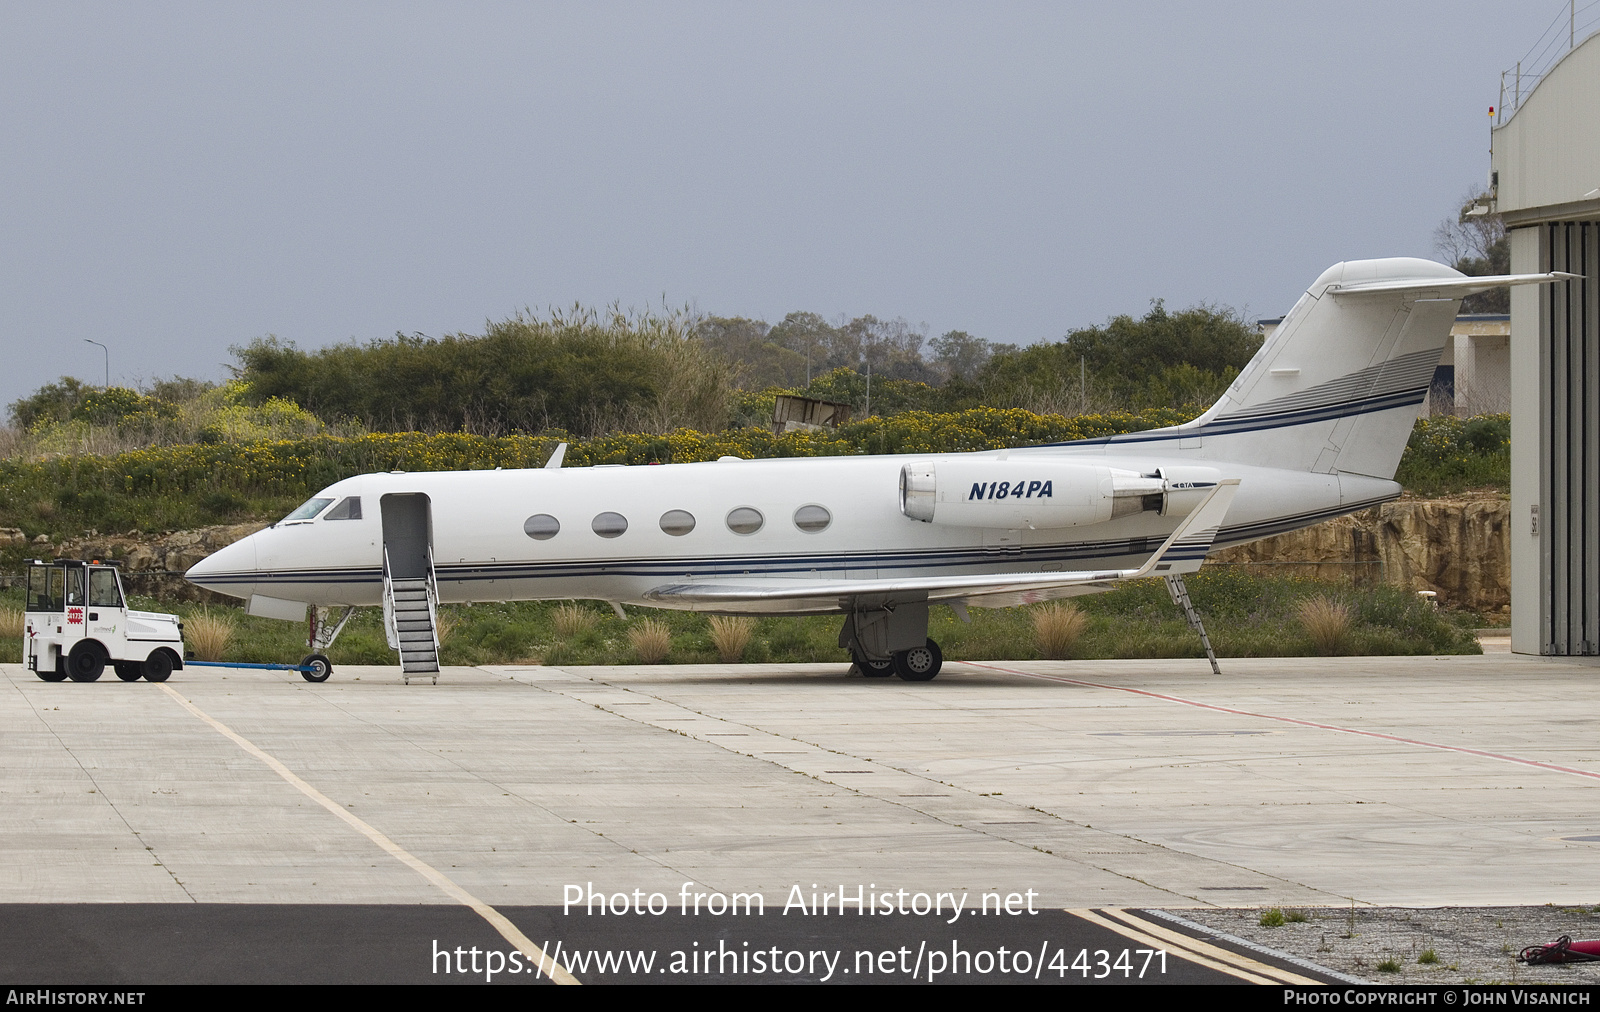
pixel 391 629
pixel 433 604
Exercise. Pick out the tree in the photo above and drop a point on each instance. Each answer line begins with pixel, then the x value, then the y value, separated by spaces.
pixel 53 402
pixel 1162 360
pixel 893 348
pixel 761 362
pixel 814 339
pixel 1477 246
pixel 962 356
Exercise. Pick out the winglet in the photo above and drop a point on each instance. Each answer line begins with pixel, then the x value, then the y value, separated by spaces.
pixel 557 457
pixel 1192 540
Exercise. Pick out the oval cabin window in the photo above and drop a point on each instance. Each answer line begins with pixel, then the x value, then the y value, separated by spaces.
pixel 677 522
pixel 812 518
pixel 745 520
pixel 541 527
pixel 610 525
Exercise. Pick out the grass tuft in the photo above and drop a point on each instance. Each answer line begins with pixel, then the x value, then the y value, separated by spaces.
pixel 11 625
pixel 1390 965
pixel 572 620
pixel 447 623
pixel 1428 957
pixel 1272 918
pixel 1327 622
pixel 208 635
pixel 730 634
pixel 1057 627
pixel 651 640
pixel 1296 915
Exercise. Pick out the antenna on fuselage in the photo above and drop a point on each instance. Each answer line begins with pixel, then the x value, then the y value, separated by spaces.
pixel 557 457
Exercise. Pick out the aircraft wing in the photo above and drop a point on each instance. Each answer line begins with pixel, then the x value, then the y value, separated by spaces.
pixel 1182 552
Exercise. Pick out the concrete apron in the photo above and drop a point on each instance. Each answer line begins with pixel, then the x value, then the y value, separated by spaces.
pixel 1395 781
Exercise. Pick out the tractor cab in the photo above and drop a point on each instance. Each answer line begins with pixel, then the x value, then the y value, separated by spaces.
pixel 77 621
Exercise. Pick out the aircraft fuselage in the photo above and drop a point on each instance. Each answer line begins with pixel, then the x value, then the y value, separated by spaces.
pixel 482 551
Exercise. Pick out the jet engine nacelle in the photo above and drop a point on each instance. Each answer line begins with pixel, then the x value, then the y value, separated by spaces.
pixel 1042 495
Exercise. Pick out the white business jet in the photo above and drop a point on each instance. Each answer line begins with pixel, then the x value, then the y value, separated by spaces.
pixel 1312 428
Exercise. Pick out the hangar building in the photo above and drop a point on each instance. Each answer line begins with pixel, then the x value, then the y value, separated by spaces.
pixel 1545 184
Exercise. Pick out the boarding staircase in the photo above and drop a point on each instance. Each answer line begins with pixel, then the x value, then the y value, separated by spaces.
pixel 411 620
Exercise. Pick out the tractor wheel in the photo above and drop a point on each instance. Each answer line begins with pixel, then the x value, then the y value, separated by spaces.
pixel 86 662
pixel 157 667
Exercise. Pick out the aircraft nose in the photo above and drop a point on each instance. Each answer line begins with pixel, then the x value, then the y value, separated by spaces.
pixel 231 570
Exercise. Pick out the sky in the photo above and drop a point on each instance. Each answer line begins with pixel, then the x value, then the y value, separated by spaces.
pixel 178 179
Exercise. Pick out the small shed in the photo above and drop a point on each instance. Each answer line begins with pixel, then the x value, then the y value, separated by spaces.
pixel 790 413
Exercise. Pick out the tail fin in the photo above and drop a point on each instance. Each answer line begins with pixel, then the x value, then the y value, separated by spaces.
pixel 1338 386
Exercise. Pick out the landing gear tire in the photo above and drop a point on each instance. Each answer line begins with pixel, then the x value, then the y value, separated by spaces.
pixel 919 664
pixel 86 662
pixel 128 671
pixel 320 667
pixel 874 669
pixel 156 668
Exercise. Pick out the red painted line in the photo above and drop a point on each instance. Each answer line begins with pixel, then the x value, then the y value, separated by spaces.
pixel 1295 720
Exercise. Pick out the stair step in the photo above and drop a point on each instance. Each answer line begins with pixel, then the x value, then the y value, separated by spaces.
pixel 411 612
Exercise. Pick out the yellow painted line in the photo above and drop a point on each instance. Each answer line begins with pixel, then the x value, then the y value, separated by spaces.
pixel 496 919
pixel 1180 952
pixel 1206 948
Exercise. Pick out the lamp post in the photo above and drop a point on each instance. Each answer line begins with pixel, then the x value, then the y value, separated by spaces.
pixel 108 360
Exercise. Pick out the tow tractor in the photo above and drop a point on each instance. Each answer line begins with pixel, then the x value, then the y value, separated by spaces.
pixel 77 621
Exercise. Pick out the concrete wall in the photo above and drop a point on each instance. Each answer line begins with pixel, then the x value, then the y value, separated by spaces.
pixel 1527 593
pixel 1548 153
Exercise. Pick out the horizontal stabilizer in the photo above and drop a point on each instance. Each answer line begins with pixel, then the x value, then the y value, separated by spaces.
pixel 1181 552
pixel 1451 287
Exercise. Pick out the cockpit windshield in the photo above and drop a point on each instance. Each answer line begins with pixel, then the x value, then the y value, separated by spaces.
pixel 311 508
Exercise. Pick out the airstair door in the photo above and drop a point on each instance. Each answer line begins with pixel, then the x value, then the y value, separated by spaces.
pixel 410 593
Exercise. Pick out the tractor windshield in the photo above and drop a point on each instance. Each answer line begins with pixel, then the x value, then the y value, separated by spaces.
pixel 44 588
pixel 103 592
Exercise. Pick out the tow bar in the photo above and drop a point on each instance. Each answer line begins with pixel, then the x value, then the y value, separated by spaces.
pixel 313 667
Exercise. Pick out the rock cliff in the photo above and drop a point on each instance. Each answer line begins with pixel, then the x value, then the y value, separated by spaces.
pixel 1458 548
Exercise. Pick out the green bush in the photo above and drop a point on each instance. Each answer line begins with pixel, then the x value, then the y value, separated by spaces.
pixel 580 370
pixel 1447 455
pixel 176 487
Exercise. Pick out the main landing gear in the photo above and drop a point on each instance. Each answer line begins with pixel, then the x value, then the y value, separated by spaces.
pixel 919 664
pixel 873 669
pixel 892 640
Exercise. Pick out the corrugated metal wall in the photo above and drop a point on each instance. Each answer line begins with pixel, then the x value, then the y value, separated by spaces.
pixel 1569 513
